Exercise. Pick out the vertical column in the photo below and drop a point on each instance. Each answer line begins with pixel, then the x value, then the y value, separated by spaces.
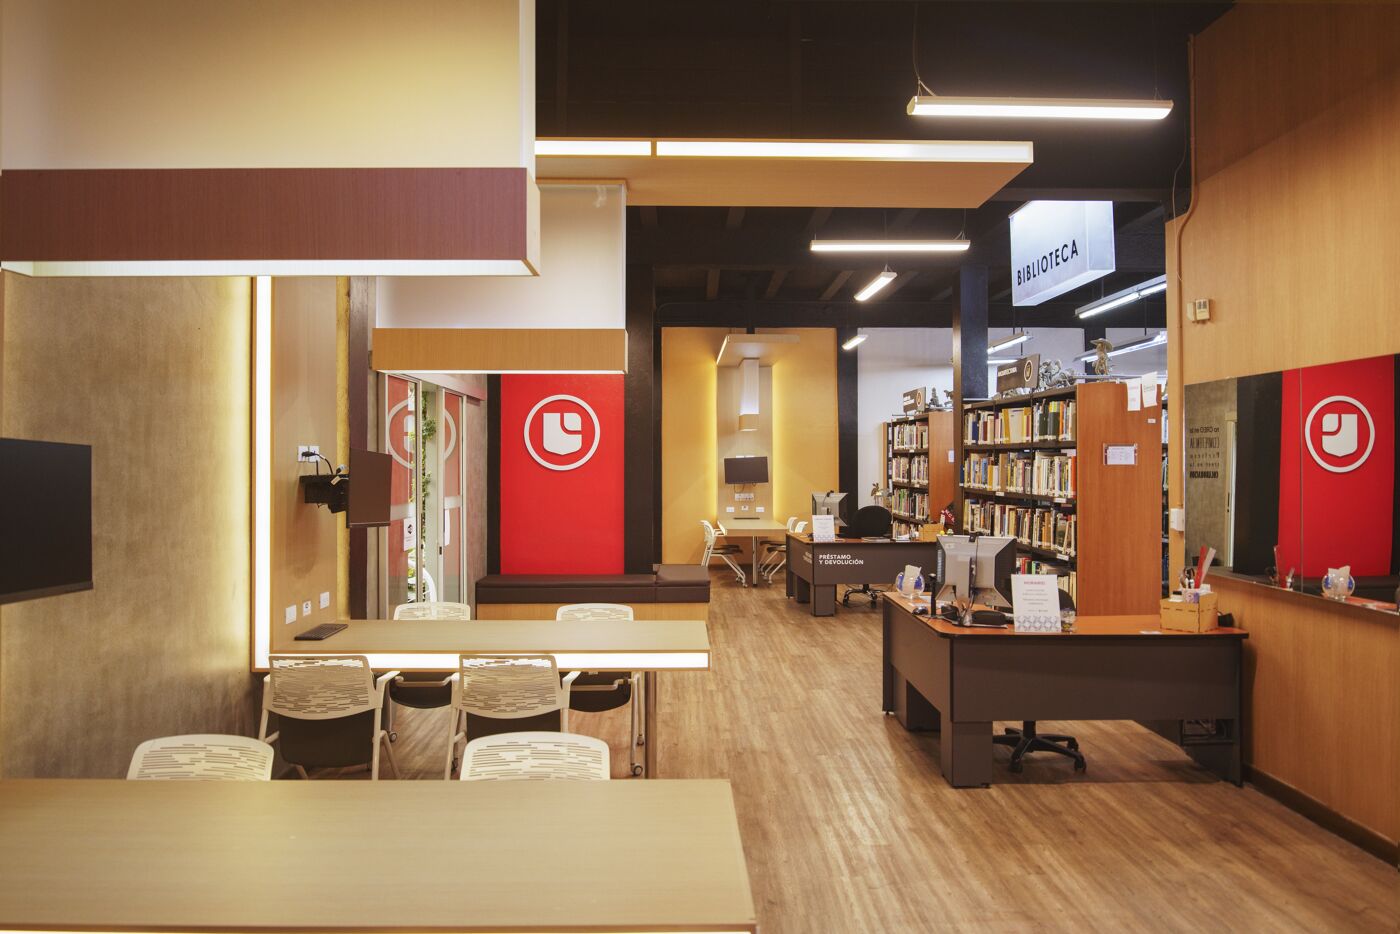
pixel 641 436
pixel 493 473
pixel 362 401
pixel 847 416
pixel 969 356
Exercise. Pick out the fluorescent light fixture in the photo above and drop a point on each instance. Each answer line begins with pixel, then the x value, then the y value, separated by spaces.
pixel 875 285
pixel 902 151
pixel 890 246
pixel 592 147
pixel 1123 297
pixel 1011 341
pixel 854 342
pixel 276 267
pixel 569 661
pixel 998 361
pixel 262 469
pixel 933 105
pixel 1157 341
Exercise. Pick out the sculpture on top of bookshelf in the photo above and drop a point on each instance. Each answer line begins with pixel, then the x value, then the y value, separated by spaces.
pixel 1102 366
pixel 1053 376
pixel 948 394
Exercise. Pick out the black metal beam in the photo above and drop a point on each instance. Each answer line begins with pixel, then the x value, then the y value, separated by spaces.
pixel 847 415
pixel 639 429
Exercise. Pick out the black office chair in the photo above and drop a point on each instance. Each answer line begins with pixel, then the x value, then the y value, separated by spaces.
pixel 870 522
pixel 1026 739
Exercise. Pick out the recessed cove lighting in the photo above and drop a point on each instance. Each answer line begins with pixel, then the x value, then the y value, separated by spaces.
pixel 875 285
pixel 901 151
pixel 890 246
pixel 932 105
pixel 1011 341
pixel 593 147
pixel 1123 297
pixel 854 342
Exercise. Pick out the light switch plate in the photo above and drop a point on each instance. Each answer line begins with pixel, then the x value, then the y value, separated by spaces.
pixel 1178 519
pixel 325 599
pixel 728 508
pixel 291 615
pixel 758 509
pixel 306 608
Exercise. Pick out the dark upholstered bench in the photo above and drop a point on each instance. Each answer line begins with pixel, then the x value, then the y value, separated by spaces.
pixel 671 591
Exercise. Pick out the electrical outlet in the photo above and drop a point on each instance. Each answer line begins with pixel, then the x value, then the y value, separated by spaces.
pixel 745 507
pixel 308 452
pixel 758 509
pixel 290 616
pixel 728 508
pixel 325 599
pixel 306 609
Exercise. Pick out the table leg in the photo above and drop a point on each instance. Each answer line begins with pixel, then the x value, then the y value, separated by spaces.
pixel 653 743
pixel 801 590
pixel 788 576
pixel 966 751
pixel 824 601
pixel 753 561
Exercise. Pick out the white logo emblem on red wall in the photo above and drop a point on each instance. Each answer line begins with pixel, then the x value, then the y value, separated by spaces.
pixel 1340 434
pixel 558 428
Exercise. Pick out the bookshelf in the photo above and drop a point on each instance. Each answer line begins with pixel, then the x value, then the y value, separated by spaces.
pixel 1034 467
pixel 920 468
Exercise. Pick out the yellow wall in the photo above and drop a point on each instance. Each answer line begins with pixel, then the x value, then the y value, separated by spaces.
pixel 805 456
pixel 1294 238
pixel 154 374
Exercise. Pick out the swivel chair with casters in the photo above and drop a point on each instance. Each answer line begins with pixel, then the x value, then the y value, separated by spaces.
pixel 1026 739
pixel 870 522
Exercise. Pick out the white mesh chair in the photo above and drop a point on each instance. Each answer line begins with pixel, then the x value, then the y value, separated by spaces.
pixel 505 687
pixel 422 692
pixel 725 553
pixel 596 691
pixel 773 551
pixel 329 710
pixel 797 528
pixel 535 757
pixel 202 757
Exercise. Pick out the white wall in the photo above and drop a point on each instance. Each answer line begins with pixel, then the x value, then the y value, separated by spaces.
pixel 582 280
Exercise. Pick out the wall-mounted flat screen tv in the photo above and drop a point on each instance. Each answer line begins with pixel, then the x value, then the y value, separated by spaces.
pixel 368 505
pixel 45 519
pixel 746 470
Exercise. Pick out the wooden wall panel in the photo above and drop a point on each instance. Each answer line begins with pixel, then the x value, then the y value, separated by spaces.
pixel 155 375
pixel 688 442
pixel 806 443
pixel 500 350
pixel 942 470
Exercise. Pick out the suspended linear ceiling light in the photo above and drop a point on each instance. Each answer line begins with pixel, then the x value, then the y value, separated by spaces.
pixel 593 147
pixel 901 151
pixel 1011 341
pixel 1124 297
pixel 875 285
pixel 854 342
pixel 933 105
pixel 1157 341
pixel 890 246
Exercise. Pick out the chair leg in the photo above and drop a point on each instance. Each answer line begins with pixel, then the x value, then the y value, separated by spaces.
pixel 302 772
pixel 773 571
pixel 452 737
pixel 388 754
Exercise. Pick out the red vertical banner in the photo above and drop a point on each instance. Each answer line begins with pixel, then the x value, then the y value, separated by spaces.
pixel 1337 468
pixel 561 479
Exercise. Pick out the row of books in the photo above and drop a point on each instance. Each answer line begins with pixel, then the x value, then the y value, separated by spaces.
pixel 1047 420
pixel 1040 526
pixel 1066 578
pixel 909 469
pixel 1045 473
pixel 907 435
pixel 909 503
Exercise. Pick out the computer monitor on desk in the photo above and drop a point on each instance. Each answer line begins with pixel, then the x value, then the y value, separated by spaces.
pixel 977 569
pixel 832 503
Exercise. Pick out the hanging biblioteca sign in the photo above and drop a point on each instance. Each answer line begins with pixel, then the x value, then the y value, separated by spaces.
pixel 1057 246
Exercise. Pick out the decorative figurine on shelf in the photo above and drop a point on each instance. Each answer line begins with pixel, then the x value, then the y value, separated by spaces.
pixel 1053 376
pixel 878 494
pixel 1101 363
pixel 948 394
pixel 1338 584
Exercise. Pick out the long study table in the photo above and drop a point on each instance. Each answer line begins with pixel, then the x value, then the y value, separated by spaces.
pixel 814 569
pixel 940 676
pixel 433 645
pixel 105 855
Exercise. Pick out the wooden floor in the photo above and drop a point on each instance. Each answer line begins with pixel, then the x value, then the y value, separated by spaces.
pixel 848 825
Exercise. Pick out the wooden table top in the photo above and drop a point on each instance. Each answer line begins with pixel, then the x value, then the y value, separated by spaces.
pixel 1144 626
pixel 433 644
pixel 369 856
pixel 744 527
pixel 840 540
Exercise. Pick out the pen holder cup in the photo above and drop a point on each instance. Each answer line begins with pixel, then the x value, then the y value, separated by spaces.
pixel 1191 617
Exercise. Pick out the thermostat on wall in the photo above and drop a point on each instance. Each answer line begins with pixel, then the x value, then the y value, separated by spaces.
pixel 1200 310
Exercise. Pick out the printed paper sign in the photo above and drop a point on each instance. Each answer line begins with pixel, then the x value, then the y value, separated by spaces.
pixel 1035 602
pixel 823 528
pixel 1134 396
pixel 1149 389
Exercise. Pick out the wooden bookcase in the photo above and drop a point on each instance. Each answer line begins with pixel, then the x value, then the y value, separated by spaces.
pixel 1043 479
pixel 924 471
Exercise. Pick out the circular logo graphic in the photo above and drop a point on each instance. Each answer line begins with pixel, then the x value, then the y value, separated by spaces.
pixel 557 434
pixel 1340 434
pixel 1028 373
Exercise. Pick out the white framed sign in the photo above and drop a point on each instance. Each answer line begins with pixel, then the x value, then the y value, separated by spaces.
pixel 1035 601
pixel 1057 246
pixel 823 528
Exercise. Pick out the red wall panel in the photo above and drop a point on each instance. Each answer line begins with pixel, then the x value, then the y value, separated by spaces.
pixel 561 477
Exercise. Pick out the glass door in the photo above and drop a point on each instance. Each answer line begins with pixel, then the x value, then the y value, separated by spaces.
pixel 401 558
pixel 451 552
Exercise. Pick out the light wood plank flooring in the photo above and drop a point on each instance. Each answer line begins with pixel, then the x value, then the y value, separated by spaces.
pixel 848 825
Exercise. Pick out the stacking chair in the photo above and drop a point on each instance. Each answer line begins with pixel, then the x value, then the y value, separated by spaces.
pixel 505 687
pixel 596 691
pixel 420 691
pixel 536 757
pixel 725 553
pixel 202 756
pixel 779 550
pixel 1026 739
pixel 771 548
pixel 329 710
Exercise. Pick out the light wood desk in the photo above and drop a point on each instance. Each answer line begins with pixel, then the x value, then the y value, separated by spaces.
pixel 371 856
pixel 433 645
pixel 752 529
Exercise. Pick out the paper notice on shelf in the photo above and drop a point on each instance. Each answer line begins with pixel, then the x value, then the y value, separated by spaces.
pixel 1035 602
pixel 823 528
pixel 1134 396
pixel 1149 389
pixel 1120 455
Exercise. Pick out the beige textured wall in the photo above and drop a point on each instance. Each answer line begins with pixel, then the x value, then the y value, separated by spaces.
pixel 688 469
pixel 154 374
pixel 805 432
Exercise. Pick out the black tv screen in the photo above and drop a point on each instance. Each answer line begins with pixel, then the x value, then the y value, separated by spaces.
pixel 45 519
pixel 746 470
pixel 368 505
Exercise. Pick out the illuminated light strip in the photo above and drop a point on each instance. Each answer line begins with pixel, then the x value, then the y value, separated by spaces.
pixel 904 151
pixel 933 105
pixel 276 267
pixel 262 469
pixel 875 285
pixel 890 246
pixel 568 661
pixel 1123 297
pixel 592 147
pixel 854 342
pixel 1157 341
pixel 1011 341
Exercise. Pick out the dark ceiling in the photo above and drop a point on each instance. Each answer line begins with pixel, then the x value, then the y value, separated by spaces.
pixel 844 69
